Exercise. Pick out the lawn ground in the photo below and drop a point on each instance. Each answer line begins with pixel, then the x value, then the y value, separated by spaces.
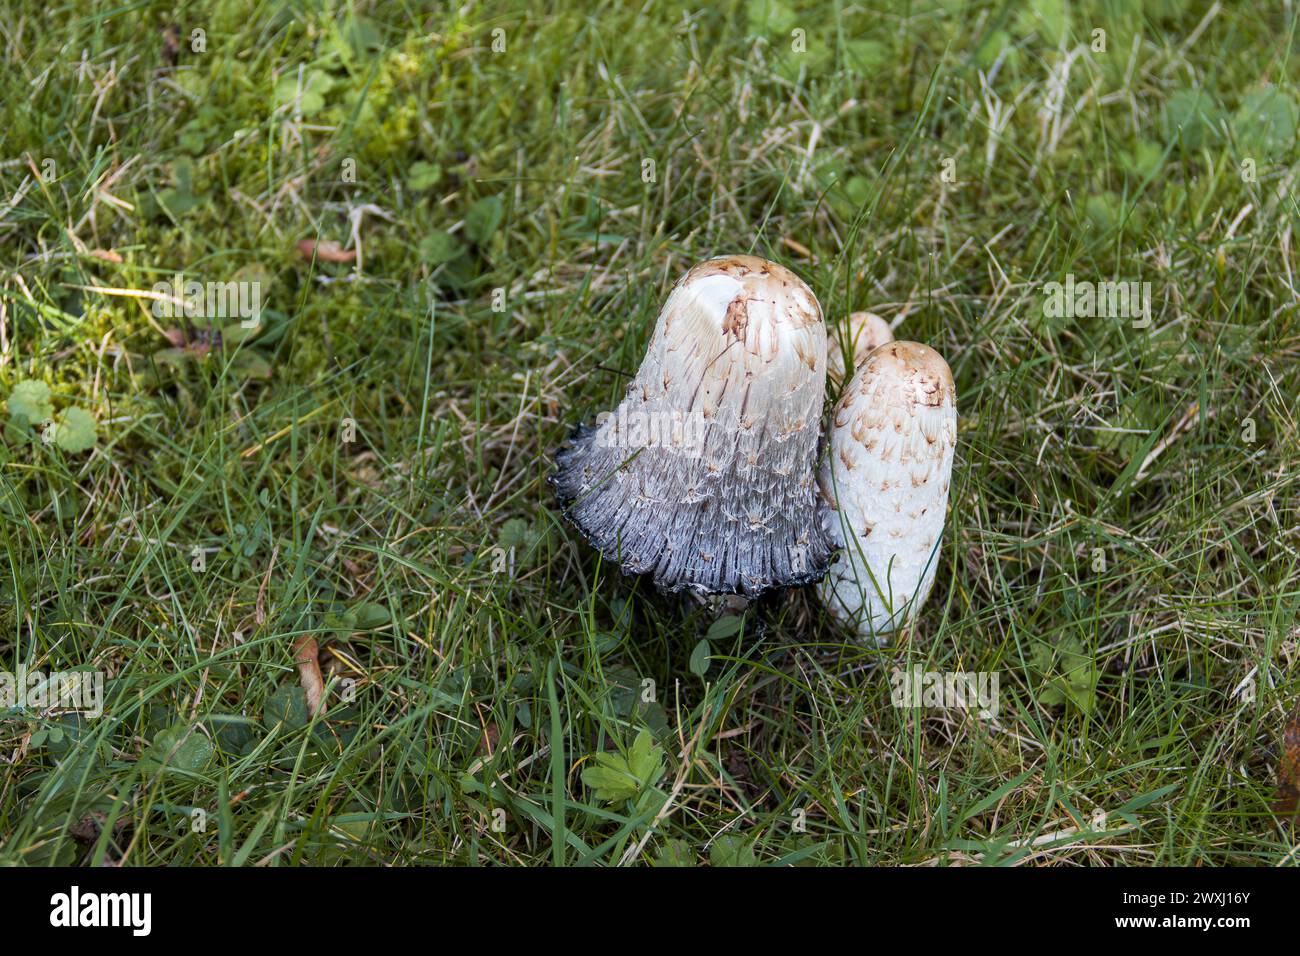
pixel 493 200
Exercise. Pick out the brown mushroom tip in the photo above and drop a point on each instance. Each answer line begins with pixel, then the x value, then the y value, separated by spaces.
pixel 741 266
pixel 920 372
pixel 749 283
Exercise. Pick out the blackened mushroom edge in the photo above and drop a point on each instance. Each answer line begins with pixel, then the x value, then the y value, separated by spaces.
pixel 704 476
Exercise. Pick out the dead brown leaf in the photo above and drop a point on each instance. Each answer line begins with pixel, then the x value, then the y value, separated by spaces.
pixel 88 828
pixel 326 250
pixel 171 44
pixel 197 343
pixel 1288 768
pixel 306 654
pixel 487 741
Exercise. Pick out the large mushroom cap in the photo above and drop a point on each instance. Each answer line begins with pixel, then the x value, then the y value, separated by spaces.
pixel 703 476
pixel 885 482
pixel 867 332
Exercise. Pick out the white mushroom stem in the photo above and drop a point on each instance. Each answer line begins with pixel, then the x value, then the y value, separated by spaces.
pixel 704 475
pixel 885 482
pixel 867 332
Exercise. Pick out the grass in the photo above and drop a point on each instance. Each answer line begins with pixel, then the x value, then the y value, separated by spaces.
pixel 1122 544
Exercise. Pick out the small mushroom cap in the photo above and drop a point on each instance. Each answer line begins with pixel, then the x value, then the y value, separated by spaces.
pixel 867 332
pixel 725 504
pixel 885 482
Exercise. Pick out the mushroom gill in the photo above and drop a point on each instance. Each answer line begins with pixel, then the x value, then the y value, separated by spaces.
pixel 703 477
pixel 885 483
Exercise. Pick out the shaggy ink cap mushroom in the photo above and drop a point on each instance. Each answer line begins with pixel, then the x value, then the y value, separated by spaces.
pixel 704 476
pixel 885 482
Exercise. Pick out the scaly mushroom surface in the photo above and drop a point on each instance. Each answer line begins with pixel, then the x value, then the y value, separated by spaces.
pixel 885 485
pixel 703 477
